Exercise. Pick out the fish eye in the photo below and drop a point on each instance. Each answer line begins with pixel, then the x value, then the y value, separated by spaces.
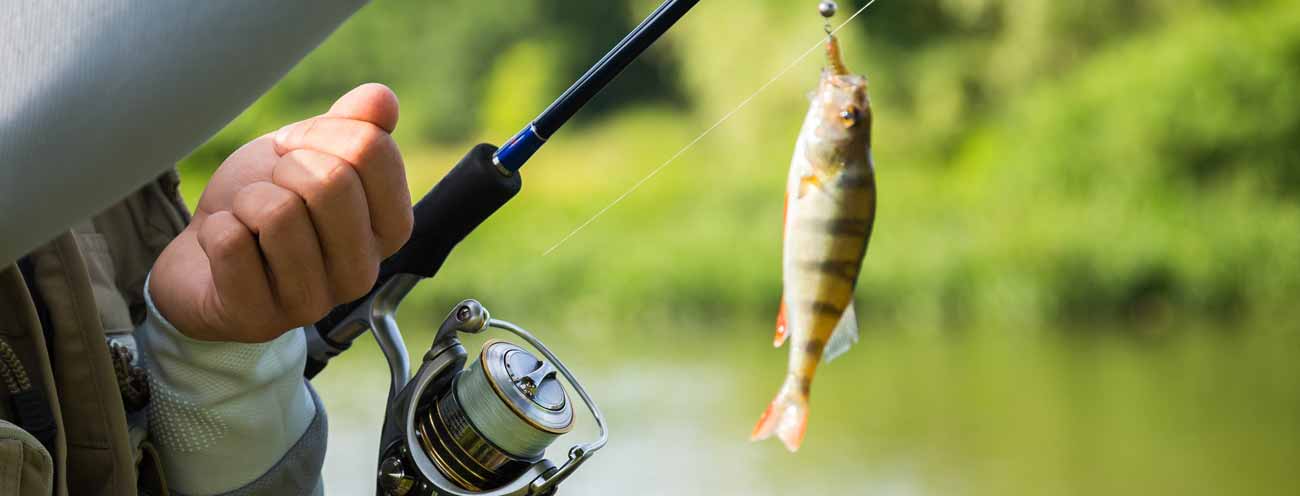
pixel 849 117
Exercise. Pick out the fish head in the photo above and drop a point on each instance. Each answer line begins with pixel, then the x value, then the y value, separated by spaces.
pixel 841 129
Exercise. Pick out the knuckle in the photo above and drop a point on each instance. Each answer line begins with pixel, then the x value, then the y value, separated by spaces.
pixel 221 236
pixel 264 205
pixel 226 242
pixel 334 176
pixel 281 209
pixel 364 144
pixel 304 131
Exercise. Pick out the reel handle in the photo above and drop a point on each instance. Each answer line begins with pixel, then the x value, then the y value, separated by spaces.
pixel 470 193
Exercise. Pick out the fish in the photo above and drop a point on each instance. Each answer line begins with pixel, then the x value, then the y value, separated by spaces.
pixel 830 209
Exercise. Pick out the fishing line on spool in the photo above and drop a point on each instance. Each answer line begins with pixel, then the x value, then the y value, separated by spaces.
pixel 706 132
pixel 491 414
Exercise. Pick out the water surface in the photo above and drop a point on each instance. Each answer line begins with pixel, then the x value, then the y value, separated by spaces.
pixel 1192 411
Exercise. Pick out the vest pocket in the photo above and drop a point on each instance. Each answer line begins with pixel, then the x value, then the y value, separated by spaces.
pixel 26 468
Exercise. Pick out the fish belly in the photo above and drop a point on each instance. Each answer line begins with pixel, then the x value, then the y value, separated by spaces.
pixel 826 236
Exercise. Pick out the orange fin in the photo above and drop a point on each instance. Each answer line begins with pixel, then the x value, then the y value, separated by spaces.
pixel 781 333
pixel 780 315
pixel 785 214
pixel 787 416
pixel 808 182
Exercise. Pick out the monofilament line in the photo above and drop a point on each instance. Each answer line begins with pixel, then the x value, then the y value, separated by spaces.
pixel 706 132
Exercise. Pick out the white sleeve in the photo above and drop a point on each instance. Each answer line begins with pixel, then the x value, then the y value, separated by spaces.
pixel 223 415
pixel 100 96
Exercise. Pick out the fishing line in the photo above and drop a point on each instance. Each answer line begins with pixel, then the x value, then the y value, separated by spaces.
pixel 706 132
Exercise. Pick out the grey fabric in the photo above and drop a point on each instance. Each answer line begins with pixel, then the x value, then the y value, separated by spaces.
pixel 100 96
pixel 299 471
pixel 222 414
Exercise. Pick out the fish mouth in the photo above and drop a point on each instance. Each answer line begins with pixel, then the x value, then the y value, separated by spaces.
pixel 848 81
pixel 837 74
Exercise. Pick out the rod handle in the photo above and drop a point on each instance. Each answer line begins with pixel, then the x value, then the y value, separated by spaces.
pixel 470 193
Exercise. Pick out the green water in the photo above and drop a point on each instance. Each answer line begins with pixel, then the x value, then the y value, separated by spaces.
pixel 989 411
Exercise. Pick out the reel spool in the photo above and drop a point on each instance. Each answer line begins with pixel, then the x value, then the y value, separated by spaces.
pixel 481 430
pixel 497 418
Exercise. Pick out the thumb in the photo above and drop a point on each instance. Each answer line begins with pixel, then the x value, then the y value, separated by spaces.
pixel 370 102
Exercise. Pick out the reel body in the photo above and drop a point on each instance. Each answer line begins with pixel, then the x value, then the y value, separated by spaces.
pixel 481 430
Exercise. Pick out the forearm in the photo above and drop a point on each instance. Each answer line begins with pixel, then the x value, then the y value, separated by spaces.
pixel 98 97
pixel 229 416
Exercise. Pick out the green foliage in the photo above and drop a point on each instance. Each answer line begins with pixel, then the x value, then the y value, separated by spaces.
pixel 1112 164
pixel 1039 162
pixel 1162 172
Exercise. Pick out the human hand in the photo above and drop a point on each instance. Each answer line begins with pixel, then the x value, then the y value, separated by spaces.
pixel 290 225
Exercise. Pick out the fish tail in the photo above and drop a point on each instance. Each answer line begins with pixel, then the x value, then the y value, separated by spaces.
pixel 787 416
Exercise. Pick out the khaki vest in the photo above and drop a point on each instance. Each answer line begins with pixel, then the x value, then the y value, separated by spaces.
pixel 72 404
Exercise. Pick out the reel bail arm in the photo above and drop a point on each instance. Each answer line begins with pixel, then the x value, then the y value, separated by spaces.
pixel 579 453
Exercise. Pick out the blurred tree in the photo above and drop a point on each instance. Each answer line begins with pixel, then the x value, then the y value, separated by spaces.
pixel 1039 161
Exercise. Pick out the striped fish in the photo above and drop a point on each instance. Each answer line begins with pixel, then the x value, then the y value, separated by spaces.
pixel 829 212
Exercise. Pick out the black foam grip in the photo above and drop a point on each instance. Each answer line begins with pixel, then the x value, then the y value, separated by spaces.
pixel 470 193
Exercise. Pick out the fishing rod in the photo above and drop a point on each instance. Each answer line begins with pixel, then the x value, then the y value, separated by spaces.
pixel 471 192
pixel 500 414
pixel 514 153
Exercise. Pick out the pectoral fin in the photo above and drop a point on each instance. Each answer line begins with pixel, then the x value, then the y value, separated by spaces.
pixel 845 334
pixel 819 176
pixel 807 183
pixel 780 315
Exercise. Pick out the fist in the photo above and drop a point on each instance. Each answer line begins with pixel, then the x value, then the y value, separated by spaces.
pixel 291 224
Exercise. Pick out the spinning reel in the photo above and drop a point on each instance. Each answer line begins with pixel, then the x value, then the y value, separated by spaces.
pixel 481 430
pixel 476 431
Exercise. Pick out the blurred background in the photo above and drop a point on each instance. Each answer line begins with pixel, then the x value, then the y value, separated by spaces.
pixel 1083 277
